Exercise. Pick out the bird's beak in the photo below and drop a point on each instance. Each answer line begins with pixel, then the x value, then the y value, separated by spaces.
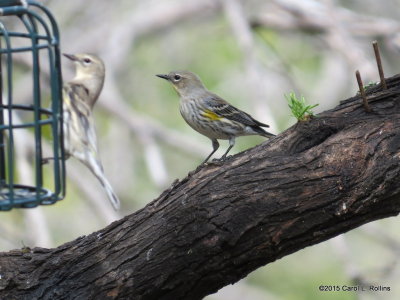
pixel 163 76
pixel 70 56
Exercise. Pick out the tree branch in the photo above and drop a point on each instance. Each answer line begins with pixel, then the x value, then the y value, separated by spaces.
pixel 314 181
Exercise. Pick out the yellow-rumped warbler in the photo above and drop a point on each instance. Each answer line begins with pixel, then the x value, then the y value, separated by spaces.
pixel 209 114
pixel 79 97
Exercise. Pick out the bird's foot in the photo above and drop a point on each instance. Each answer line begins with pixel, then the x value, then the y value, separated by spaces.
pixel 46 160
pixel 222 159
pixel 216 162
pixel 219 161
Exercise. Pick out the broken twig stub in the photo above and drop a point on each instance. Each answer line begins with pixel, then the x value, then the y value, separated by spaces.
pixel 362 92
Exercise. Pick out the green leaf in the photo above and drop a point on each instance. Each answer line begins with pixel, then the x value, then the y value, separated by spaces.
pixel 300 110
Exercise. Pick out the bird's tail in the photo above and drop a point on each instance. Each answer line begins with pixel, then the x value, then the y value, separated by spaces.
pixel 262 132
pixel 97 169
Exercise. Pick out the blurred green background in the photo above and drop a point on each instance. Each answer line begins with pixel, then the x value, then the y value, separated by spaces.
pixel 251 53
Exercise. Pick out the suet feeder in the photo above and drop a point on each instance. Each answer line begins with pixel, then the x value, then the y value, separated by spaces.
pixel 30 107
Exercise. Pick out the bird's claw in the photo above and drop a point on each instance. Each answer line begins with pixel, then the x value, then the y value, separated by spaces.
pixel 214 162
pixel 46 160
pixel 217 161
pixel 222 159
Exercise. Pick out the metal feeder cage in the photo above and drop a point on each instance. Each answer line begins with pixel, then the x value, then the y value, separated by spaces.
pixel 32 168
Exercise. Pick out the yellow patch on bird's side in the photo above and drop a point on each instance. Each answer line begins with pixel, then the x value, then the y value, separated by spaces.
pixel 211 115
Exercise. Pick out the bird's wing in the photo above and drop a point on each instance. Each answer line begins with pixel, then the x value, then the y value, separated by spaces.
pixel 81 91
pixel 223 109
pixel 80 119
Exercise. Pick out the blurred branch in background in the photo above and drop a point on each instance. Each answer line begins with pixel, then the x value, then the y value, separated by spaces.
pixel 252 77
pixel 343 31
pixel 150 19
pixel 313 17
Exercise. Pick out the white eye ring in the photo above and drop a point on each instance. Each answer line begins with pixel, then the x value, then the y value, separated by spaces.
pixel 177 77
pixel 87 61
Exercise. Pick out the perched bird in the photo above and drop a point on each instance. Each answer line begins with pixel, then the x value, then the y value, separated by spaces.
pixel 79 97
pixel 209 114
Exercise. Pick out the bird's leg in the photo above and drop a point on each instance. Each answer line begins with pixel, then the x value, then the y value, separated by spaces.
pixel 231 144
pixel 215 145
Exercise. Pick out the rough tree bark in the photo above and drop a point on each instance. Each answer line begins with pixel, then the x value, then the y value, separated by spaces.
pixel 314 181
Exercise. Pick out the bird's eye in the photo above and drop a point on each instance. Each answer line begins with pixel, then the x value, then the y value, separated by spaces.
pixel 87 61
pixel 177 77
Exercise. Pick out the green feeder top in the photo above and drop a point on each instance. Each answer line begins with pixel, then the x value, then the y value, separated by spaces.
pixel 29 123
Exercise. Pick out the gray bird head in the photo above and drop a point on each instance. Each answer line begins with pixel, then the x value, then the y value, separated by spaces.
pixel 90 71
pixel 87 64
pixel 184 82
